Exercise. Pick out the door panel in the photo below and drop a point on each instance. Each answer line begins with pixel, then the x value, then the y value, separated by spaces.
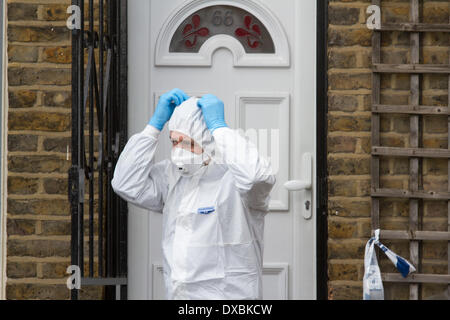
pixel 264 118
pixel 271 97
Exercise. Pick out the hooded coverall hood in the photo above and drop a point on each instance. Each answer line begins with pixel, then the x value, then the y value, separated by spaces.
pixel 188 119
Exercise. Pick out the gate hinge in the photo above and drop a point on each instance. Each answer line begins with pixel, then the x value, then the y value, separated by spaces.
pixel 116 145
pixel 73 185
pixel 81 177
pixel 76 185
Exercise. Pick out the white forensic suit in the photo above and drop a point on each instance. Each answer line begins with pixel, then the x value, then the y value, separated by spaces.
pixel 213 218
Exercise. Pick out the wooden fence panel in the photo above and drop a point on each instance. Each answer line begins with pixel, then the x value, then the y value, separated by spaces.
pixel 415 152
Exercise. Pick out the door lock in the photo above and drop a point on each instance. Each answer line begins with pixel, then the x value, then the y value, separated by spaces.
pixel 307 204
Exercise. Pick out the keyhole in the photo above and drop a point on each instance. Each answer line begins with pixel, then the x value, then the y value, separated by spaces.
pixel 307 204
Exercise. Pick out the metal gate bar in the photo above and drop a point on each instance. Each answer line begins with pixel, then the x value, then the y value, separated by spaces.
pixel 105 94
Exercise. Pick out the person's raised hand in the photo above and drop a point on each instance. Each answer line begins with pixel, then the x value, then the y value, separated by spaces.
pixel 166 105
pixel 213 112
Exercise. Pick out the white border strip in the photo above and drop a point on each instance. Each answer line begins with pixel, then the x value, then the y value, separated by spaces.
pixel 4 129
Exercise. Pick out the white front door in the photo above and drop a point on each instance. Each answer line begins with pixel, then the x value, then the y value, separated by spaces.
pixel 259 58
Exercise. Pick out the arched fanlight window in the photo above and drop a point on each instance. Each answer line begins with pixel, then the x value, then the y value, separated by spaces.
pixel 222 19
pixel 192 33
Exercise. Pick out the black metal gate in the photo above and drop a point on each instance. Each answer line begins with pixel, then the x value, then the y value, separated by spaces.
pixel 99 120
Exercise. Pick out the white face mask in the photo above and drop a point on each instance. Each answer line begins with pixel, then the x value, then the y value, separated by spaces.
pixel 186 161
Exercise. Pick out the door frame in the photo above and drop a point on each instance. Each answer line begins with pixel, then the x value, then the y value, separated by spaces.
pixel 321 138
pixel 321 151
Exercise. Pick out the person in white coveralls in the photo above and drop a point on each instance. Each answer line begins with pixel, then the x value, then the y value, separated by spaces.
pixel 213 202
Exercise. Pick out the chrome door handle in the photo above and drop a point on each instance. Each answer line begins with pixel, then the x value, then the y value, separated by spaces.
pixel 304 184
pixel 297 185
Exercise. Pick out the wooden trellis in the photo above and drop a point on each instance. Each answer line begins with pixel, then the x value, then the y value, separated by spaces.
pixel 415 152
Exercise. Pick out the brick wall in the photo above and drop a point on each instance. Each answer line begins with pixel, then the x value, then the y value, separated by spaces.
pixel 349 125
pixel 38 216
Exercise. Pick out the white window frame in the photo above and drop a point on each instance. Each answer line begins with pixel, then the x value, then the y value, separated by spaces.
pixel 3 151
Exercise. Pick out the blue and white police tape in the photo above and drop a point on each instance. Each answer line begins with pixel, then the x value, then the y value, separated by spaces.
pixel 403 266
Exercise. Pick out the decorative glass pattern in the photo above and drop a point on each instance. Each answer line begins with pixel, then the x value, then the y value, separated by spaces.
pixel 221 19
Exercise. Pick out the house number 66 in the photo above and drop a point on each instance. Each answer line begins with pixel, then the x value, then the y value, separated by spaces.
pixel 219 19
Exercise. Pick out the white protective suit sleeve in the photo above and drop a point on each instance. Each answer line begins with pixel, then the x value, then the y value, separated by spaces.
pixel 136 179
pixel 253 173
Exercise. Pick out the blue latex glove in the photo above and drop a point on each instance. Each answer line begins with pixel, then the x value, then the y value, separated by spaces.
pixel 213 112
pixel 166 105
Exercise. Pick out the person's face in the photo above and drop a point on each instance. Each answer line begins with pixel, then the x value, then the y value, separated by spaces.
pixel 180 140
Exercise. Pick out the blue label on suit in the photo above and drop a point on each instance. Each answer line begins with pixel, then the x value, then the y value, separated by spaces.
pixel 206 210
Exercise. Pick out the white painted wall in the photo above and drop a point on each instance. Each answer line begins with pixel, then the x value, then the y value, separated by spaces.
pixel 138 91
